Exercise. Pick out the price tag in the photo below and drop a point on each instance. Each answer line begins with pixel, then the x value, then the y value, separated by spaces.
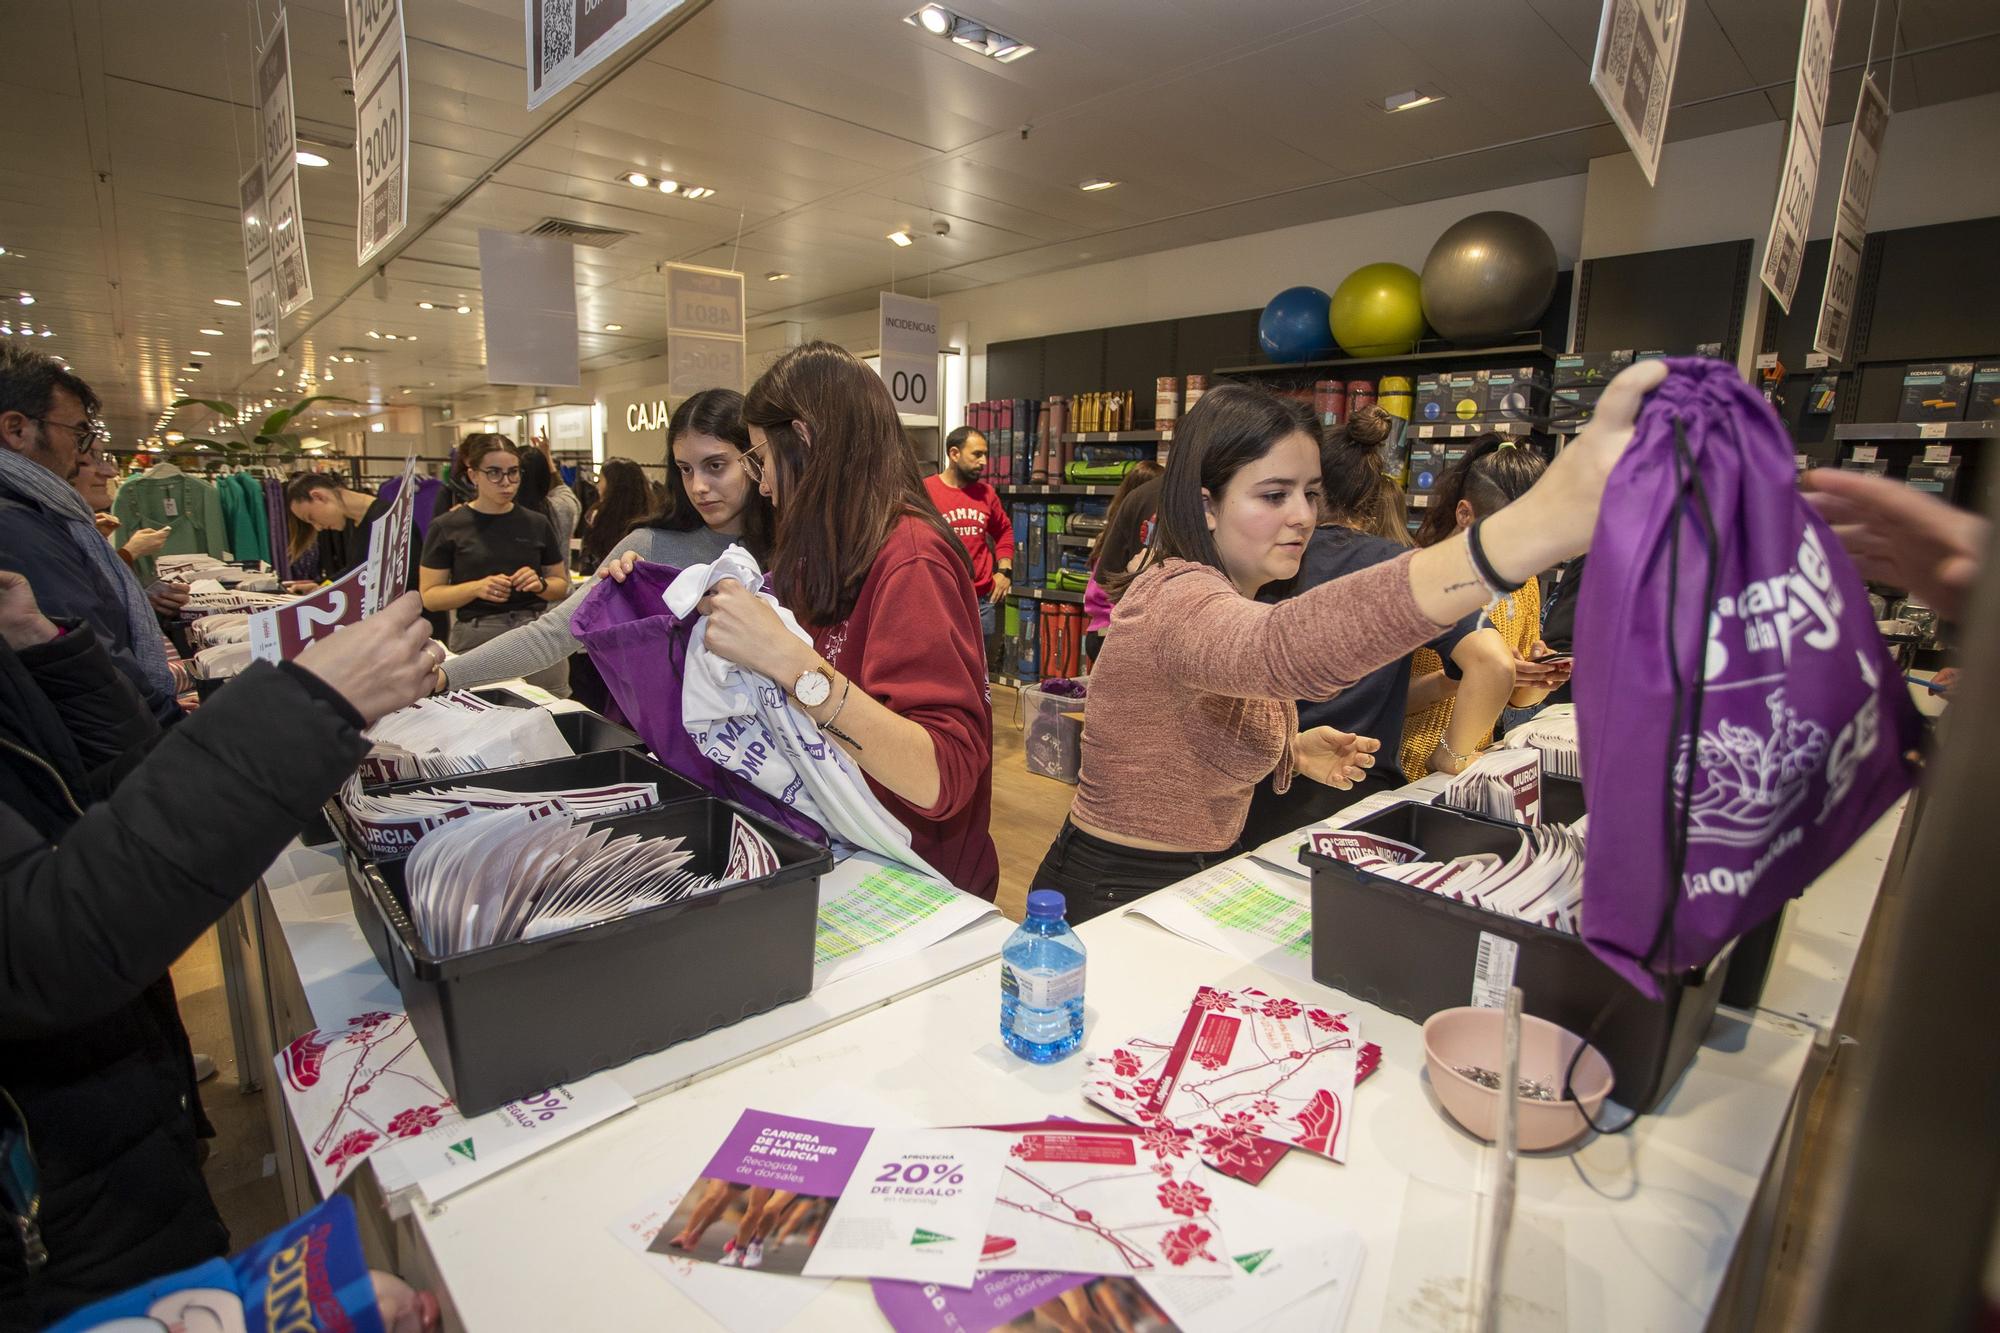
pixel 1493 972
pixel 1865 453
pixel 1816 360
pixel 1459 431
pixel 1937 453
pixel 1932 430
pixel 1767 361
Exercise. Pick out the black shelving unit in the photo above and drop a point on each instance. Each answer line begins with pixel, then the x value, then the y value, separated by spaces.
pixel 1116 436
pixel 1035 488
pixel 1437 356
pixel 1048 595
pixel 1870 431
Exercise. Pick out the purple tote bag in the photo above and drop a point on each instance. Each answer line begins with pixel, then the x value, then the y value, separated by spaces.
pixel 640 649
pixel 1740 720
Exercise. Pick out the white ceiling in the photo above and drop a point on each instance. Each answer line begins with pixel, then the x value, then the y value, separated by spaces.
pixel 822 125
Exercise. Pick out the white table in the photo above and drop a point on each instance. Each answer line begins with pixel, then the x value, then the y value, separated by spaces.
pixel 1639 1229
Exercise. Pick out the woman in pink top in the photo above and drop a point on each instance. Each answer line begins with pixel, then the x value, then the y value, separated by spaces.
pixel 1191 703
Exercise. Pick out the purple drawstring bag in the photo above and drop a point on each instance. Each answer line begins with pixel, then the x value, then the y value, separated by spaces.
pixel 640 649
pixel 1739 717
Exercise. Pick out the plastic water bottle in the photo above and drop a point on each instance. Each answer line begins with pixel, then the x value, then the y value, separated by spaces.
pixel 1041 983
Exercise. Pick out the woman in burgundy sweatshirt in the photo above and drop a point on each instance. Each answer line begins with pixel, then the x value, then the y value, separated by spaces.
pixel 1191 703
pixel 896 671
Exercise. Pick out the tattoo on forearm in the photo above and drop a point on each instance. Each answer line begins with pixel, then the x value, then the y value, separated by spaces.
pixel 1461 587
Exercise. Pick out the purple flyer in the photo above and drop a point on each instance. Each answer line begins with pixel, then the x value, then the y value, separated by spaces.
pixel 766 1196
pixel 1021 1301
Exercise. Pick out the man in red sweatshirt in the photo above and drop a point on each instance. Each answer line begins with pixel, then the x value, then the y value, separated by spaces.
pixel 972 509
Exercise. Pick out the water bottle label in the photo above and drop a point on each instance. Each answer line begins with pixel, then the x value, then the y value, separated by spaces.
pixel 1040 990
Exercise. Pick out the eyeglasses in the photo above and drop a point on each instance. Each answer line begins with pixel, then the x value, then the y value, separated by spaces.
pixel 88 435
pixel 496 476
pixel 753 464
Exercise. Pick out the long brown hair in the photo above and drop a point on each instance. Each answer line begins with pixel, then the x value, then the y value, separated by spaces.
pixel 1232 427
pixel 718 414
pixel 843 493
pixel 1141 473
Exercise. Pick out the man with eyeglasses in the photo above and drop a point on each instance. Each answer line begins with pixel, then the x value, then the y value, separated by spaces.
pixel 47 531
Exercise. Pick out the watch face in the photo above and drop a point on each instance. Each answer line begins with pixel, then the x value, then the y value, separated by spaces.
pixel 812 689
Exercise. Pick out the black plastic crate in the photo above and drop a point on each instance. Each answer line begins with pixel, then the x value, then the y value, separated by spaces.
pixel 510 1019
pixel 585 770
pixel 1414 952
pixel 585 731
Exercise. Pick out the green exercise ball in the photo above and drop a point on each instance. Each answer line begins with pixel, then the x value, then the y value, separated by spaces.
pixel 1378 310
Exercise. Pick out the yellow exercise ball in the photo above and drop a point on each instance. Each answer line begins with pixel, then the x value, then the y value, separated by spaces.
pixel 1378 310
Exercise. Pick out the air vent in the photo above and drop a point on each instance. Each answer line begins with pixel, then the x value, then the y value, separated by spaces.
pixel 578 233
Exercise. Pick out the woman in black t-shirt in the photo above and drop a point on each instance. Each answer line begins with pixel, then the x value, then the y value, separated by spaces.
pixel 491 563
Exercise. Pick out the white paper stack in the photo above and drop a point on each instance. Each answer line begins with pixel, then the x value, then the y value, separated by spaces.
pixel 1500 784
pixel 459 733
pixel 392 824
pixel 1554 738
pixel 1542 881
pixel 500 875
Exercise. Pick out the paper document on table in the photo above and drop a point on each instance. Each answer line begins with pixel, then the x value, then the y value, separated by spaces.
pixel 458 1152
pixel 738 1299
pixel 872 912
pixel 1283 850
pixel 1243 910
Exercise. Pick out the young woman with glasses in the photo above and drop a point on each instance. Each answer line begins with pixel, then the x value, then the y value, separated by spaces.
pixel 896 670
pixel 711 504
pixel 491 563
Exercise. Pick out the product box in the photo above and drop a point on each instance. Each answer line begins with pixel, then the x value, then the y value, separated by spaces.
pixel 1468 395
pixel 1935 391
pixel 1579 370
pixel 1433 400
pixel 1983 396
pixel 1516 395
pixel 1939 479
pixel 1879 466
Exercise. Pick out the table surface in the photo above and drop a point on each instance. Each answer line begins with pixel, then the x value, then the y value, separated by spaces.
pixel 1633 1231
pixel 1629 1232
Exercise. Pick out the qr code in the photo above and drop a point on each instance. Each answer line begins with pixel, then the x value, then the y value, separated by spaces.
pixel 558 32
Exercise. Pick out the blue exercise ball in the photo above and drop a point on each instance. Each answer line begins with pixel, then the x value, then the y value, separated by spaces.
pixel 1294 325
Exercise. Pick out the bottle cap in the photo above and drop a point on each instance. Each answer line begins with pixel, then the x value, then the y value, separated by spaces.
pixel 1046 902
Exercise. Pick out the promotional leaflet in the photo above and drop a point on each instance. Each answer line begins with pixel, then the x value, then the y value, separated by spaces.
pixel 1244 910
pixel 788 1195
pixel 1347 845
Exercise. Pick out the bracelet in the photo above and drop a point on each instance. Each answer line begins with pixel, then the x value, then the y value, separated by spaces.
pixel 1483 567
pixel 846 688
pixel 1462 760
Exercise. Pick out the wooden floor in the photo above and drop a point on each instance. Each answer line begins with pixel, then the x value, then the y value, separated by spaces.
pixel 1028 809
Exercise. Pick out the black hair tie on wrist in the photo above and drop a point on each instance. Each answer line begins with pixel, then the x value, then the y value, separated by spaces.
pixel 1488 575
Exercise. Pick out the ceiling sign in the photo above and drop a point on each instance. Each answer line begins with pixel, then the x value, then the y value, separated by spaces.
pixel 908 330
pixel 529 284
pixel 377 56
pixel 1638 45
pixel 1785 247
pixel 705 330
pixel 568 38
pixel 283 216
pixel 1850 226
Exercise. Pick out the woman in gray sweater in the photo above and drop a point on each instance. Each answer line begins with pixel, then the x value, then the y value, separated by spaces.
pixel 711 503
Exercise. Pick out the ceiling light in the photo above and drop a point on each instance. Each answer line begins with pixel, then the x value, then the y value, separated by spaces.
pixel 26 299
pixel 48 333
pixel 933 20
pixel 696 192
pixel 223 300
pixel 613 328
pixel 775 276
pixel 1409 101
pixel 638 179
pixel 3 249
pixel 668 187
pixel 213 333
pixel 199 351
pixel 348 360
pixel 192 368
pixel 969 33
pixel 1095 183
pixel 306 159
pixel 901 237
pixel 408 337
pixel 373 334
pixel 465 310
pixel 426 305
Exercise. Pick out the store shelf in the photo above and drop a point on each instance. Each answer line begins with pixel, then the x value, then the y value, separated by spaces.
pixel 1037 489
pixel 1455 430
pixel 1017 682
pixel 1047 595
pixel 1116 436
pixel 1917 430
pixel 1076 539
pixel 1408 358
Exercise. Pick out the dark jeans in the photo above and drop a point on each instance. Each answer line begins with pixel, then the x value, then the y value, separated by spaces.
pixel 1096 876
pixel 1308 802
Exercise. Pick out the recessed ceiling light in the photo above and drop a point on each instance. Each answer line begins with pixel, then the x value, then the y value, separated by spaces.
pixel 1096 183
pixel 213 333
pixel 390 336
pixel 934 20
pixel 613 328
pixel 669 186
pixel 638 179
pixel 696 192
pixel 223 300
pixel 306 159
pixel 371 333
pixel 969 33
pixel 1410 100
pixel 775 276
pixel 408 337
pixel 26 299
pixel 48 333
pixel 900 237
pixel 198 352
pixel 465 310
pixel 426 305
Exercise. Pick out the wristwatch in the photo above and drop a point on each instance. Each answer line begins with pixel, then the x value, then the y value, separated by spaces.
pixel 813 687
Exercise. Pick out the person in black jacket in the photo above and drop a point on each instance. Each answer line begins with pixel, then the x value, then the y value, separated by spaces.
pixel 118 846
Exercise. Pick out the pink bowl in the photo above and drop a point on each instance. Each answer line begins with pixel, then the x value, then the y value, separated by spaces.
pixel 1455 1037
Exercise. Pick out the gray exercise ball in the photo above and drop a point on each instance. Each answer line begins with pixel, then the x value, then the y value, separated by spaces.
pixel 1488 276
